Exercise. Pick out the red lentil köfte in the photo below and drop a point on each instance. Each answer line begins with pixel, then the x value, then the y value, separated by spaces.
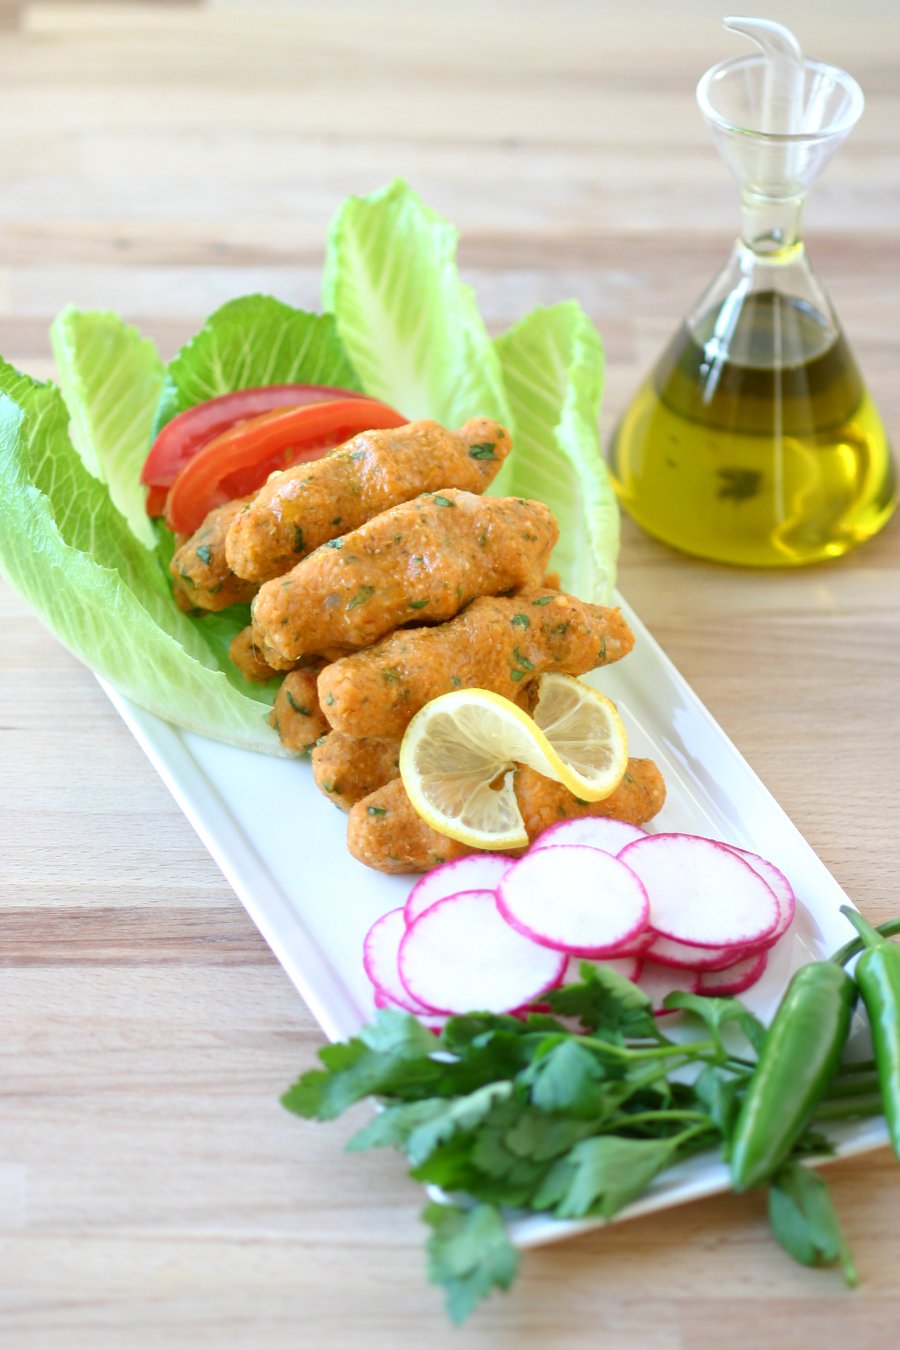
pixel 423 560
pixel 302 507
pixel 384 831
pixel 496 643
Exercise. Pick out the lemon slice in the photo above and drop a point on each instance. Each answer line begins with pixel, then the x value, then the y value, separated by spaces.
pixel 458 754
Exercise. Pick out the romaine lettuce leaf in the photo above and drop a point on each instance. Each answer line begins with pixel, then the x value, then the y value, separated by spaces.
pixel 552 365
pixel 411 327
pixel 111 380
pixel 68 550
pixel 116 390
pixel 252 341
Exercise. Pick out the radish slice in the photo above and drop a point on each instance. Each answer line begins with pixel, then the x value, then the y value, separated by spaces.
pixel 780 886
pixel 735 979
pixel 701 892
pixel 658 981
pixel 461 956
pixel 603 832
pixel 637 946
pixel 629 968
pixel 380 948
pixel 474 872
pixel 575 899
pixel 682 956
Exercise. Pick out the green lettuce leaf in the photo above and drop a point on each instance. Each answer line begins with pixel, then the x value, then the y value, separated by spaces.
pixel 411 327
pixel 111 380
pixel 70 552
pixel 252 341
pixel 116 391
pixel 552 365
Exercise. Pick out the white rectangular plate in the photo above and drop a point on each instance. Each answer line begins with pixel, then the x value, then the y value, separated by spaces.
pixel 281 845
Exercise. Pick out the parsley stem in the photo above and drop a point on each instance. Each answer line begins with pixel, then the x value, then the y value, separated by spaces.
pixel 669 1114
pixel 839 1110
pixel 655 1052
pixel 858 1066
pixel 860 1086
pixel 693 1131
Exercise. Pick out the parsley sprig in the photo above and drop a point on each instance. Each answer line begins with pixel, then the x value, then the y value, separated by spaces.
pixel 532 1114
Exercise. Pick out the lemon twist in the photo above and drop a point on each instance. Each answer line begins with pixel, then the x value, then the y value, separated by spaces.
pixel 459 753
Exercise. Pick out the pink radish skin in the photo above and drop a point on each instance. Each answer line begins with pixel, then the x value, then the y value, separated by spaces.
pixel 780 887
pixel 380 948
pixel 682 956
pixel 574 899
pixel 735 979
pixel 701 892
pixel 474 872
pixel 603 832
pixel 461 956
pixel 659 981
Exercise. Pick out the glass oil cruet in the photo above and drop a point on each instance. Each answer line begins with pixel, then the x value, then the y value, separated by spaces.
pixel 754 439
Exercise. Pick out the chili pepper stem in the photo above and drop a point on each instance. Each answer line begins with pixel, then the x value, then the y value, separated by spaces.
pixel 870 936
pixel 856 945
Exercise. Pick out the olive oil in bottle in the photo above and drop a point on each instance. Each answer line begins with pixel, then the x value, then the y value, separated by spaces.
pixel 754 439
pixel 729 453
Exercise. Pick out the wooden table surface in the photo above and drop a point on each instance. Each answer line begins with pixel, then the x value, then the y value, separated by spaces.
pixel 159 159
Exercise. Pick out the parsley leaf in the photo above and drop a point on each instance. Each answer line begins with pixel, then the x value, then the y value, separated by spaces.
pixel 739 485
pixel 469 1254
pixel 569 1079
pixel 717 1013
pixel 600 1176
pixel 362 595
pixel 606 1001
pixel 393 1051
pixel 484 450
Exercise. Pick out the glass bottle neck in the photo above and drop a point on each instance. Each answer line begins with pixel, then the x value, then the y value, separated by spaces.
pixel 770 225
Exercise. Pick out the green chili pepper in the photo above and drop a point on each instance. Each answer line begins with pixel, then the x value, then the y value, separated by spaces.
pixel 797 1061
pixel 878 977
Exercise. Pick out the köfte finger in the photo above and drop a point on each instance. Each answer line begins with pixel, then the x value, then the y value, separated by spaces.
pixel 348 768
pixel 384 832
pixel 496 643
pixel 200 567
pixel 296 715
pixel 249 660
pixel 421 561
pixel 302 507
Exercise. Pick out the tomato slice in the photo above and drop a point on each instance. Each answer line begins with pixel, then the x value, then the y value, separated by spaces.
pixel 240 460
pixel 187 433
pixel 156 500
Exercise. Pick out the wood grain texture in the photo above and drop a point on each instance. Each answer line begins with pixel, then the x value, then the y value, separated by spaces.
pixel 159 159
